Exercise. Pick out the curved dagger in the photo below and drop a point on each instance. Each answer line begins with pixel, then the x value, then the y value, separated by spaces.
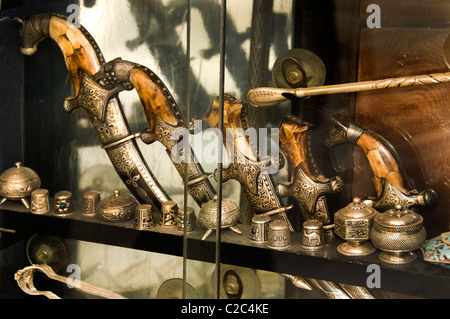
pixel 307 185
pixel 84 59
pixel 392 184
pixel 246 166
pixel 166 123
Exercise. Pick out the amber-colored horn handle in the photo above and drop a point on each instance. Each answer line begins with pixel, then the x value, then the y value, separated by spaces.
pixel 307 186
pixel 389 177
pixel 81 53
pixel 245 165
pixel 267 96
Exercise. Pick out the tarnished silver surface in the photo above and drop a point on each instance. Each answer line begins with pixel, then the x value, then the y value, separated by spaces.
pixel 168 214
pixel 40 203
pixel 312 234
pixel 398 232
pixel 143 217
pixel 63 204
pixel 353 224
pixel 117 207
pixel 259 230
pixel 186 219
pixel 207 216
pixel 279 234
pixel 17 183
pixel 310 194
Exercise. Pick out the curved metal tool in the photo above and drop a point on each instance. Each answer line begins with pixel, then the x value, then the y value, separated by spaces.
pixel 25 276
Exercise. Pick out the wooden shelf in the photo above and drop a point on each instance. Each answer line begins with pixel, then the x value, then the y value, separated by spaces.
pixel 418 278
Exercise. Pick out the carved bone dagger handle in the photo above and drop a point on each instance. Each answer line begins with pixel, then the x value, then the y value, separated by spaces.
pixel 389 177
pixel 308 186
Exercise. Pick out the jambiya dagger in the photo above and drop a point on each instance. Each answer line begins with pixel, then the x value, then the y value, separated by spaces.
pixel 308 186
pixel 246 166
pixel 97 85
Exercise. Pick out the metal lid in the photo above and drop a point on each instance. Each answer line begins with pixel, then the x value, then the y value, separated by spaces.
pixel 278 224
pixel 356 209
pixel 117 200
pixel 261 219
pixel 399 219
pixel 18 173
pixel 228 206
pixel 91 194
pixel 313 224
pixel 18 181
pixel 63 195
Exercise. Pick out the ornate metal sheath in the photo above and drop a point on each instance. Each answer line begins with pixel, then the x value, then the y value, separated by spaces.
pixel 392 184
pixel 246 166
pixel 97 85
pixel 308 186
pixel 166 123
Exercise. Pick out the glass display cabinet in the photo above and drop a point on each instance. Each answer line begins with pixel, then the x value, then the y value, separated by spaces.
pixel 206 149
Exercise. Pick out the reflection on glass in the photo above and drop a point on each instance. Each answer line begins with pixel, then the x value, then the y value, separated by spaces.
pixel 153 33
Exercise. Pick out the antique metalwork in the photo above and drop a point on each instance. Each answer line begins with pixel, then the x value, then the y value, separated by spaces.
pixel 84 59
pixel 40 203
pixel 207 216
pixel 91 199
pixel 297 281
pixel 312 234
pixel 308 186
pixel 117 207
pixel 279 234
pixel 268 96
pixel 245 164
pixel 186 219
pixel 168 214
pixel 143 217
pixel 25 277
pixel 259 229
pixel 437 250
pixel 48 250
pixel 166 123
pixel 398 232
pixel 353 224
pixel 17 183
pixel 298 68
pixel 63 204
pixel 392 184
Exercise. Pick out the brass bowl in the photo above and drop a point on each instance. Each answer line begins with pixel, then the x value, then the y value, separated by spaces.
pixel 398 233
pixel 17 183
pixel 117 207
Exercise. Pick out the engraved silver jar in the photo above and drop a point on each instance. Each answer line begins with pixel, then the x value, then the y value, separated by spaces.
pixel 398 233
pixel 17 183
pixel 353 224
pixel 207 216
pixel 117 207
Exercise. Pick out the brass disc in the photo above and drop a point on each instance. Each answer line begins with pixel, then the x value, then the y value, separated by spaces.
pixel 49 250
pixel 298 68
pixel 173 289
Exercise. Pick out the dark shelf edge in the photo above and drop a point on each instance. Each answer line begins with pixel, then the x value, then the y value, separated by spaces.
pixel 420 279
